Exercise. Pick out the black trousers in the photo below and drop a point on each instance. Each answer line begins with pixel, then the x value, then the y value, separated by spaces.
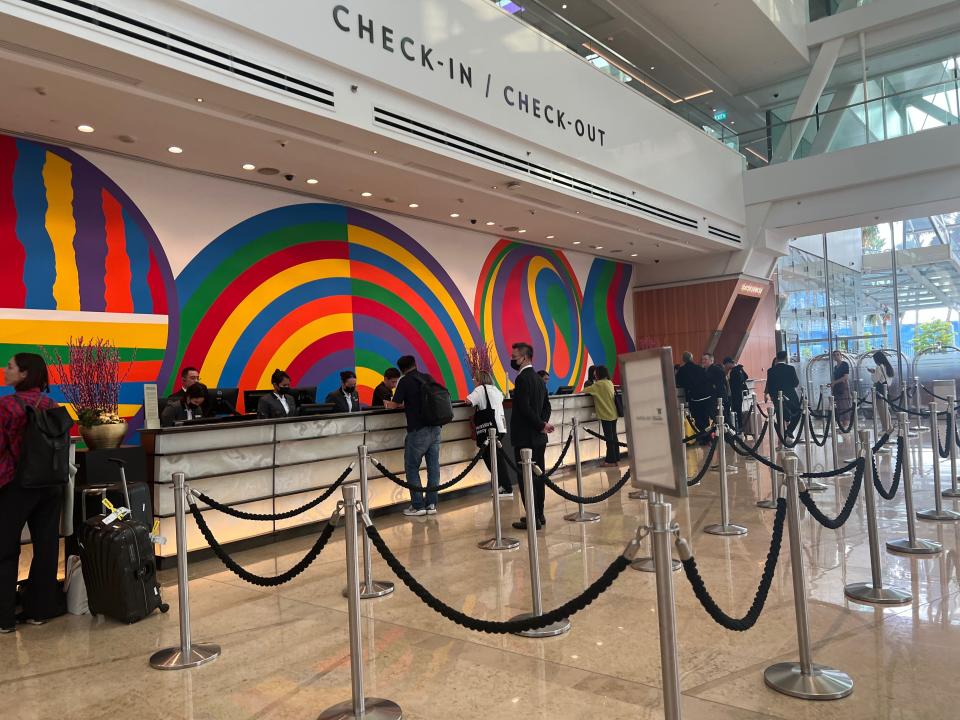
pixel 539 487
pixel 39 510
pixel 503 470
pixel 703 411
pixel 613 442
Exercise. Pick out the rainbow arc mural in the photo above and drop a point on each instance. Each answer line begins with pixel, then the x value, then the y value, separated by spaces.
pixel 312 288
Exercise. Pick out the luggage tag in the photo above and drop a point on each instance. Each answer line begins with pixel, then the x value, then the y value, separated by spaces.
pixel 116 513
pixel 155 537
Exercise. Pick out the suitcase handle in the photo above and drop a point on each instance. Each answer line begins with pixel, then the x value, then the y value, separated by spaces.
pixel 122 465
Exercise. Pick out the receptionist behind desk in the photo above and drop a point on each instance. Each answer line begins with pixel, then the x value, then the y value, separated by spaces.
pixel 280 403
pixel 345 398
pixel 188 407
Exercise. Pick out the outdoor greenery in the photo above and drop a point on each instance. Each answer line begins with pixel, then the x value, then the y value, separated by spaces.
pixel 933 333
pixel 870 237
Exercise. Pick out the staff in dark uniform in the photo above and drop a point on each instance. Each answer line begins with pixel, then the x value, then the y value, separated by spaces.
pixel 345 398
pixel 280 403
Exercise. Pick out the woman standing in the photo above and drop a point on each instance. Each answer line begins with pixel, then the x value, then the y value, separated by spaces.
pixel 840 386
pixel 37 508
pixel 881 376
pixel 603 393
pixel 487 400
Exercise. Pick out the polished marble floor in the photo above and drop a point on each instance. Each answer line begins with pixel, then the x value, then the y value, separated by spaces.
pixel 285 649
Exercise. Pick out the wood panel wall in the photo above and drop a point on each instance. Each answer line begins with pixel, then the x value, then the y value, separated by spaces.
pixel 761 346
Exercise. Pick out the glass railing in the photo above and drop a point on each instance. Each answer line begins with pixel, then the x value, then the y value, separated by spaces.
pixel 826 8
pixel 883 118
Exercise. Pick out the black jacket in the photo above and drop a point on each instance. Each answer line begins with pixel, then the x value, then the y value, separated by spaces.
pixel 717 381
pixel 738 381
pixel 531 411
pixel 783 378
pixel 692 379
pixel 340 401
pixel 269 406
pixel 177 412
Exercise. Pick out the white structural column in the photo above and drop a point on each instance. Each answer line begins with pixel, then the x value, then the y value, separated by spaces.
pixel 831 120
pixel 807 102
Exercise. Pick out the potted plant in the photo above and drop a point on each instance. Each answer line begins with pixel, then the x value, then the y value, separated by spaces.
pixel 90 380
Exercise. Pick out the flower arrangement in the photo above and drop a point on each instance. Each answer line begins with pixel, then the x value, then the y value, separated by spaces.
pixel 478 358
pixel 90 379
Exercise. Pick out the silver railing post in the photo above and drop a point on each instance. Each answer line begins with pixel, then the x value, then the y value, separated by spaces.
pixel 370 588
pixel 937 512
pixel 725 527
pixel 649 563
pixel 873 592
pixel 855 432
pixel 497 542
pixel 661 528
pixel 812 485
pixel 805 679
pixel 358 706
pixel 953 491
pixel 561 626
pixel 771 504
pixel 910 545
pixel 918 427
pixel 781 421
pixel 579 515
pixel 188 654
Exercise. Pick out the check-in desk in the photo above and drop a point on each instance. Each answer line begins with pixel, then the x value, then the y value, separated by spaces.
pixel 271 466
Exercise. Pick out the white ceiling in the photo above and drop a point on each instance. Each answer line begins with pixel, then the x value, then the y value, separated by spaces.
pixel 48 91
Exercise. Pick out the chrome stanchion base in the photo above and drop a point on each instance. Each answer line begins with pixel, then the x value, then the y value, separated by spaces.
pixel 767 504
pixel 374 709
pixel 950 493
pixel 173 659
pixel 865 592
pixel 814 486
pixel 823 683
pixel 917 547
pixel 730 529
pixel 506 543
pixel 379 590
pixel 637 494
pixel 582 517
pixel 938 515
pixel 884 450
pixel 558 628
pixel 647 564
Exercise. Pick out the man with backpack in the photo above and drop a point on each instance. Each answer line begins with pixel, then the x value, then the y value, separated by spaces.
pixel 428 407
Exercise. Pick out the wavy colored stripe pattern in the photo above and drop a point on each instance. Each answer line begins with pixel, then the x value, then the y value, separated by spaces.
pixel 73 241
pixel 316 289
pixel 531 294
pixel 604 327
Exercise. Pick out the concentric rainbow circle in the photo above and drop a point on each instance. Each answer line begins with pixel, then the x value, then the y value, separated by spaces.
pixel 316 289
pixel 531 294
pixel 604 328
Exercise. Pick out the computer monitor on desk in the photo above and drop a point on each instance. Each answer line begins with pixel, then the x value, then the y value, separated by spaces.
pixel 565 390
pixel 251 399
pixel 317 408
pixel 222 401
pixel 304 395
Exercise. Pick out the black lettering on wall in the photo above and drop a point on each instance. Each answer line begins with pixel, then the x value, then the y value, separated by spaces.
pixel 507 93
pixel 404 44
pixel 368 27
pixel 466 75
pixel 425 56
pixel 386 38
pixel 339 10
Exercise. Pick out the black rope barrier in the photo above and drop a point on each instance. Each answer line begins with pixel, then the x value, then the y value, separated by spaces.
pixel 791 428
pixel 838 521
pixel 739 446
pixel 761 434
pixel 442 486
pixel 914 413
pixel 897 472
pixel 944 451
pixel 601 437
pixel 706 464
pixel 609 492
pixel 566 610
pixel 813 433
pixel 769 567
pixel 881 441
pixel 243 515
pixel 931 393
pixel 312 554
pixel 844 430
pixel 762 413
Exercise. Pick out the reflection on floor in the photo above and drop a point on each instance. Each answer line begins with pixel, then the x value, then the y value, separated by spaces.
pixel 285 650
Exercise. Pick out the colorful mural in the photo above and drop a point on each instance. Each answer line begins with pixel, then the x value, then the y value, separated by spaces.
pixel 317 289
pixel 80 260
pixel 531 294
pixel 604 329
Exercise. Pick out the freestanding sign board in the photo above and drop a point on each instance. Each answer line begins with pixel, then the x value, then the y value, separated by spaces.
pixel 653 421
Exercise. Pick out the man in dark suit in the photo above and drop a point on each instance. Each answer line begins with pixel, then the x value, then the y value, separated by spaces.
pixel 529 424
pixel 188 376
pixel 692 379
pixel 188 407
pixel 783 378
pixel 345 399
pixel 280 403
pixel 383 392
pixel 717 382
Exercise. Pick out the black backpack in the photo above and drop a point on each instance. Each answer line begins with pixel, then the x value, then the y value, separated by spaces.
pixel 45 451
pixel 436 408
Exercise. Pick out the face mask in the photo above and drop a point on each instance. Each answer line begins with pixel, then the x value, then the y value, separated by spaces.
pixel 514 364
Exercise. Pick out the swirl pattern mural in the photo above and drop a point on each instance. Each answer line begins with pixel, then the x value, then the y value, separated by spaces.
pixel 317 289
pixel 80 259
pixel 531 294
pixel 604 329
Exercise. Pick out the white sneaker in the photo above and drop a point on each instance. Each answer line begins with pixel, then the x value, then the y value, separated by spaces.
pixel 504 493
pixel 431 510
pixel 414 512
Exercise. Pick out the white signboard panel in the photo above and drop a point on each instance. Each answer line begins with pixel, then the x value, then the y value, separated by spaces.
pixel 653 421
pixel 151 407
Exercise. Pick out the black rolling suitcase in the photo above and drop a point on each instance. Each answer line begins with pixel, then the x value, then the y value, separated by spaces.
pixel 119 567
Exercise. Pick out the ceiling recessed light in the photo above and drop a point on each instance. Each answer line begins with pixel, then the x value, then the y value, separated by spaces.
pixel 175 150
pixel 550 237
pixel 249 166
pixel 521 230
pixel 563 7
pixel 199 99
pixel 576 242
pixel 376 152
pixel 653 67
pixel 493 187
pixel 312 181
pixel 598 247
pixel 490 222
pixel 454 215
pixel 633 254
pixel 413 205
pixel 578 212
pixel 366 194
pixel 85 128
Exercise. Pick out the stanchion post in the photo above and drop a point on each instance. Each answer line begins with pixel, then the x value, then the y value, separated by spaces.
pixel 910 545
pixel 812 485
pixel 781 421
pixel 855 429
pixel 771 504
pixel 953 491
pixel 918 428
pixel 580 515
pixel 497 542
pixel 561 626
pixel 370 588
pixel 661 528
pixel 805 679
pixel 873 592
pixel 188 654
pixel 725 527
pixel 937 512
pixel 358 707
pixel 834 429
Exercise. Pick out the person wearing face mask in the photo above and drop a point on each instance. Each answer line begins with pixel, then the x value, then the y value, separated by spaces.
pixel 345 399
pixel 190 406
pixel 280 403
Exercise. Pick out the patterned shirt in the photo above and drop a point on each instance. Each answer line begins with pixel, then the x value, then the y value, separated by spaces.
pixel 13 419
